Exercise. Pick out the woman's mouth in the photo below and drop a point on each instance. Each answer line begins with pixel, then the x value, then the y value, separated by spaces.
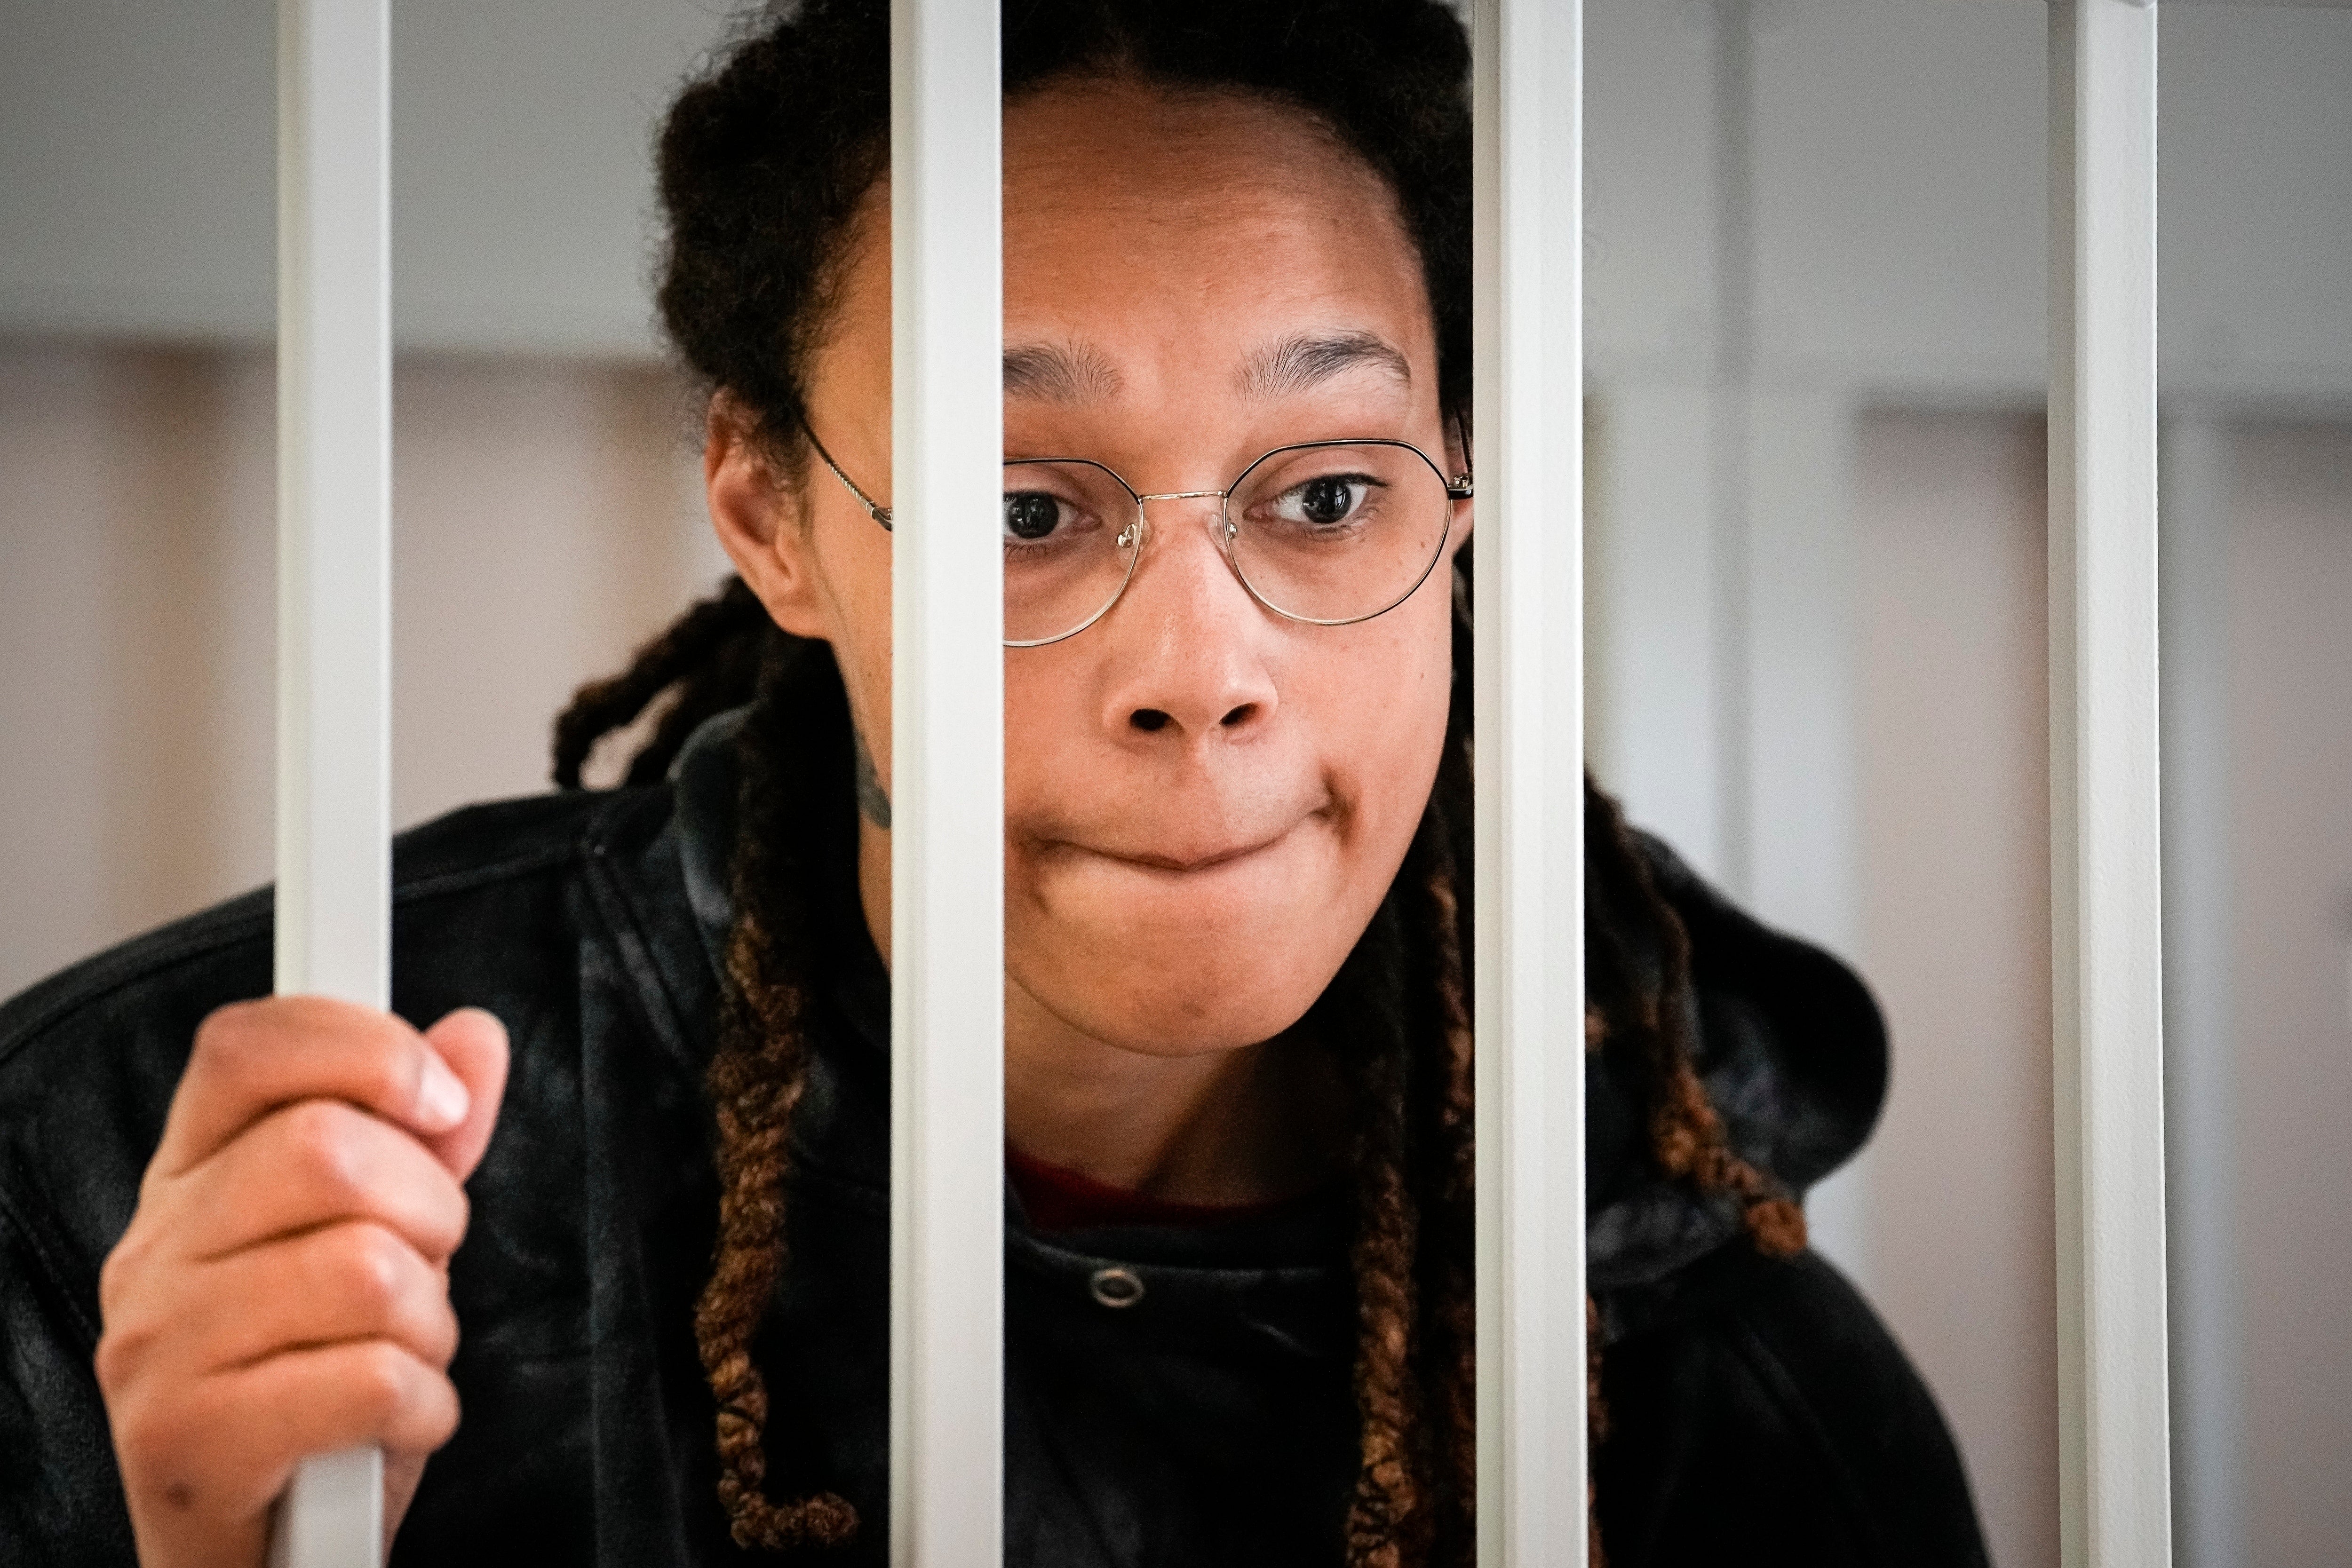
pixel 1214 846
pixel 1189 863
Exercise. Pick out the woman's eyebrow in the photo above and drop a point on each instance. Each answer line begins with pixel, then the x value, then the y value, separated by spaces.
pixel 1302 361
pixel 1057 373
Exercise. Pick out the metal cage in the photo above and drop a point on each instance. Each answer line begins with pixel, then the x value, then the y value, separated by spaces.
pixel 334 369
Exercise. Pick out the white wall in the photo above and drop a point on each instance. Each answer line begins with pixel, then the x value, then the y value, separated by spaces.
pixel 546 520
pixel 2289 599
pixel 1954 933
pixel 1868 236
pixel 1955 938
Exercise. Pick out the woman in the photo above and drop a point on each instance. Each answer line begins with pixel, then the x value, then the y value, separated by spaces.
pixel 1237 1039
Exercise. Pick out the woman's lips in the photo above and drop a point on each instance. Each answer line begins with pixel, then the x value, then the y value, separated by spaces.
pixel 1175 860
pixel 1183 864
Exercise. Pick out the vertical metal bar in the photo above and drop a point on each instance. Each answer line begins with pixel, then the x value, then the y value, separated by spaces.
pixel 2107 933
pixel 1528 259
pixel 335 590
pixel 2209 1426
pixel 947 1034
pixel 1731 444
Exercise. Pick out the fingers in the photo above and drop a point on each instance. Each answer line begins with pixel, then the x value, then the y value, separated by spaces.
pixel 252 1056
pixel 308 1165
pixel 473 1044
pixel 219 1450
pixel 338 1284
pixel 282 1289
pixel 302 1166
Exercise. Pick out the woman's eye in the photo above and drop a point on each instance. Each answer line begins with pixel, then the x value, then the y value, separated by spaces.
pixel 1323 502
pixel 1030 515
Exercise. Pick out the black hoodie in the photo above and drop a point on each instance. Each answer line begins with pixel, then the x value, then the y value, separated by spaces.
pixel 1757 1411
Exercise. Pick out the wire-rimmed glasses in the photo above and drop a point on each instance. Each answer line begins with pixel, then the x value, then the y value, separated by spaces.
pixel 1326 532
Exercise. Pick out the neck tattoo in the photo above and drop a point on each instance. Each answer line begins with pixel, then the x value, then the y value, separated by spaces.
pixel 873 801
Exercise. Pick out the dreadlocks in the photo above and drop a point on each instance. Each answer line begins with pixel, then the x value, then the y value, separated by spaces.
pixel 763 163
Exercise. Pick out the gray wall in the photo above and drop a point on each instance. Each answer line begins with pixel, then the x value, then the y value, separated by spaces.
pixel 137 173
pixel 547 518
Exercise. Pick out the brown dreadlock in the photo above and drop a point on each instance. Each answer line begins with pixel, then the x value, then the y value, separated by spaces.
pixel 757 1077
pixel 761 164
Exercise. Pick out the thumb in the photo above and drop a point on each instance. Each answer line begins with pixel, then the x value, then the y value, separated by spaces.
pixel 473 1044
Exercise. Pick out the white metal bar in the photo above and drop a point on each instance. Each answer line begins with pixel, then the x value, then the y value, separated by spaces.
pixel 1731 445
pixel 1529 344
pixel 335 590
pixel 947 1134
pixel 2209 1413
pixel 2106 928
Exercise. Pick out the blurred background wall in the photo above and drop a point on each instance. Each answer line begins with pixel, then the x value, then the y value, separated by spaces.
pixel 546 511
pixel 1815 256
pixel 546 520
pixel 1815 312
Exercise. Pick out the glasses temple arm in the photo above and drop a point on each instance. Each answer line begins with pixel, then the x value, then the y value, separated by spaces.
pixel 875 509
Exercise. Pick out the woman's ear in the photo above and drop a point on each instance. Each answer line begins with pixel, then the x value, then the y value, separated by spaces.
pixel 757 515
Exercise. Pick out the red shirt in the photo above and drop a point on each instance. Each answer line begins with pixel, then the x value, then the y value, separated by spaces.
pixel 1059 1199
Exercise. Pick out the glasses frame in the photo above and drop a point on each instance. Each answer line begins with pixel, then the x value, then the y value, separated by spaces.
pixel 1459 487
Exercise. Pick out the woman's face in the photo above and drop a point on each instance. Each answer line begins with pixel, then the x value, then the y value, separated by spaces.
pixel 1204 801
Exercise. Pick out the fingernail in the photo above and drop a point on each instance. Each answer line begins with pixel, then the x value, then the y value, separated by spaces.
pixel 441 1097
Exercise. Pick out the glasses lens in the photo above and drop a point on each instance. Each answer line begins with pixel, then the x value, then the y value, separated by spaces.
pixel 1070 541
pixel 1338 533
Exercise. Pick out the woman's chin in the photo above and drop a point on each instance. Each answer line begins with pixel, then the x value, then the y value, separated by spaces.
pixel 1165 1015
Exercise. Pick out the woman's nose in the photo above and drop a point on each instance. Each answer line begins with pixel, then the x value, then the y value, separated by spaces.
pixel 1188 643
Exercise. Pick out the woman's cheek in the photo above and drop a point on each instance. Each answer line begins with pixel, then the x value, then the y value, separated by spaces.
pixel 1385 711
